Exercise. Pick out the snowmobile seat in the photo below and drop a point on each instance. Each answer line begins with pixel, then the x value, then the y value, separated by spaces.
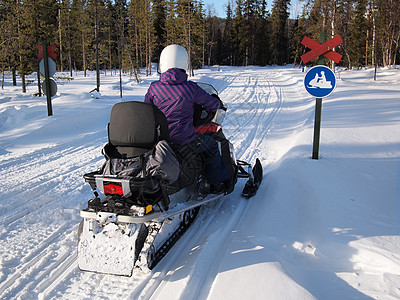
pixel 135 128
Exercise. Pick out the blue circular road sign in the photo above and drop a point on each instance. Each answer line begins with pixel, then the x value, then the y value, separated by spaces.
pixel 320 81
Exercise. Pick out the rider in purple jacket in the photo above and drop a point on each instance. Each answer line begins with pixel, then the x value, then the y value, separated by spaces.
pixel 175 96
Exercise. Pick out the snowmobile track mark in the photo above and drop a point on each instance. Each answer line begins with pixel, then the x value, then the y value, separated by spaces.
pixel 209 260
pixel 59 273
pixel 265 101
pixel 266 118
pixel 32 263
pixel 36 191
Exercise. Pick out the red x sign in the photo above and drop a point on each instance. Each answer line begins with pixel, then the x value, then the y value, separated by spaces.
pixel 324 49
pixel 50 51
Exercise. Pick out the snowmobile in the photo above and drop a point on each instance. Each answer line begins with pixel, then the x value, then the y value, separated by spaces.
pixel 152 190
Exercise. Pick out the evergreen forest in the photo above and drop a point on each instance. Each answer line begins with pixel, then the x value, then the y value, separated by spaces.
pixel 129 35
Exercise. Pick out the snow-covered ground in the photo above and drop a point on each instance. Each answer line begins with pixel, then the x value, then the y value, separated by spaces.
pixel 317 229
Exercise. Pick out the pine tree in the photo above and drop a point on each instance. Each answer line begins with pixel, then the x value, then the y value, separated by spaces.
pixel 160 17
pixel 141 31
pixel 122 26
pixel 184 26
pixel 81 34
pixel 38 23
pixel 213 43
pixel 227 38
pixel 239 37
pixel 9 26
pixel 388 29
pixel 297 36
pixel 279 36
pixel 262 44
pixel 358 34
pixel 343 19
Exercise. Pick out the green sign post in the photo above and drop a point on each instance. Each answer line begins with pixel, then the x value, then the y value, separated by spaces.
pixel 318 107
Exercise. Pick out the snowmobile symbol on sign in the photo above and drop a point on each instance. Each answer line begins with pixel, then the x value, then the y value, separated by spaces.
pixel 320 81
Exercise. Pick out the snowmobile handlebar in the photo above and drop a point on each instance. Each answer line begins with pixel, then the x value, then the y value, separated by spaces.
pixel 202 116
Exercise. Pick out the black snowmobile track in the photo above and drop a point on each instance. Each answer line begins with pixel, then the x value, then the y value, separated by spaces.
pixel 153 256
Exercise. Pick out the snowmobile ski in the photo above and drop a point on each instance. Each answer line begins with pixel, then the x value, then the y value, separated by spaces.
pixel 253 183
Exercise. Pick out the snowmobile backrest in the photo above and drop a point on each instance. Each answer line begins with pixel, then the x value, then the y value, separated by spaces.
pixel 135 127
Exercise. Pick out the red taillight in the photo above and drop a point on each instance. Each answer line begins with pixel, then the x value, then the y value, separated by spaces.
pixel 113 189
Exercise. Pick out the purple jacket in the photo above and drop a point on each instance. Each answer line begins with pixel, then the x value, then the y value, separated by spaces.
pixel 175 96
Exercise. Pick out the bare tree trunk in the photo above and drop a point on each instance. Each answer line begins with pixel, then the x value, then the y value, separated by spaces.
pixel 60 37
pixel 14 76
pixel 136 65
pixel 149 49
pixel 189 39
pixel 366 48
pixel 204 43
pixel 69 49
pixel 83 54
pixel 396 49
pixel 109 51
pixel 147 54
pixel 96 37
pixel 38 80
pixel 70 60
pixel 333 29
pixel 23 83
pixel 373 35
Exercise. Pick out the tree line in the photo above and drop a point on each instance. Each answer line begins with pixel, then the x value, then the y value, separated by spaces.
pixel 129 35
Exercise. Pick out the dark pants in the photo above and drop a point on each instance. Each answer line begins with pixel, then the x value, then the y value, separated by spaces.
pixel 216 170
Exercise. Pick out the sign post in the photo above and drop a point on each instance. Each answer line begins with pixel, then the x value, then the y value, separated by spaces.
pixel 47 79
pixel 320 81
pixel 48 66
pixel 317 128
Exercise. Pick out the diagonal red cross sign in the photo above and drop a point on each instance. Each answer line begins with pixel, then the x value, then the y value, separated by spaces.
pixel 50 51
pixel 324 49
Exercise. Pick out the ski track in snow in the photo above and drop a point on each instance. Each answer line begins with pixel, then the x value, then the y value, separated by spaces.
pixel 49 182
pixel 39 197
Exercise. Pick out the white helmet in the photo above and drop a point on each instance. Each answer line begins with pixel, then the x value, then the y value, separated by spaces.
pixel 173 56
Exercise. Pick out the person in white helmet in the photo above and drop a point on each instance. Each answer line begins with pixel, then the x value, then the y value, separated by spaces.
pixel 175 96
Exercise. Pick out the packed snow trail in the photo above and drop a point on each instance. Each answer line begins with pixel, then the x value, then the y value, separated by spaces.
pixel 306 234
